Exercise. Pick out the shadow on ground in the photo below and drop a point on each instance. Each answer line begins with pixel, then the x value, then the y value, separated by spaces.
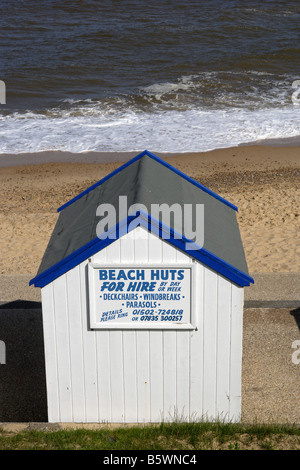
pixel 22 377
pixel 296 315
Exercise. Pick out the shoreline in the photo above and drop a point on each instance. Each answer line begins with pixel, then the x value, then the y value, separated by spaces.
pixel 98 157
pixel 285 154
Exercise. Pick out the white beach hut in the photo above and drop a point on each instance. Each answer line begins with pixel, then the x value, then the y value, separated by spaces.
pixel 140 326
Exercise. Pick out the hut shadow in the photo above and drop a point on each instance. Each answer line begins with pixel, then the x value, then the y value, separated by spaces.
pixel 296 315
pixel 20 304
pixel 23 396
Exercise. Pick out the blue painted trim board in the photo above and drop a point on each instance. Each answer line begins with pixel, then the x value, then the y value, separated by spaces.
pixel 145 220
pixel 83 253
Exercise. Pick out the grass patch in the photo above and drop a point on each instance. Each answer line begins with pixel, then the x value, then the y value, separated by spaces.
pixel 175 436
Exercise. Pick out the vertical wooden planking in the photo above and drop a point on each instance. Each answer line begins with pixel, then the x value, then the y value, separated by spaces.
pixel 182 257
pixel 223 349
pixel 53 402
pixel 76 346
pixel 196 346
pixel 236 352
pixel 169 365
pixel 182 375
pixel 104 376
pixel 141 255
pixel 116 376
pixel 88 351
pixel 156 346
pixel 176 357
pixel 103 359
pixel 168 253
pixel 156 375
pixel 127 248
pixel 155 249
pixel 129 344
pixel 130 376
pixel 115 351
pixel 143 376
pixel 184 358
pixel 113 252
pixel 210 343
pixel 141 245
pixel 169 352
pixel 63 349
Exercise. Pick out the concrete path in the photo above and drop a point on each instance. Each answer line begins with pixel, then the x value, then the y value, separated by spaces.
pixel 273 290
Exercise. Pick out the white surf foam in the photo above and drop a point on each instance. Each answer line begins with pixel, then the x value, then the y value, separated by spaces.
pixel 120 130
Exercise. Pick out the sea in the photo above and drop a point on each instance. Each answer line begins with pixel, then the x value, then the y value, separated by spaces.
pixel 128 75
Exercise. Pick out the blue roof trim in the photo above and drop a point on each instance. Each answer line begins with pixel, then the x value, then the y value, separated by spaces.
pixel 162 162
pixel 200 253
pixel 145 220
pixel 83 253
pixel 191 180
pixel 101 181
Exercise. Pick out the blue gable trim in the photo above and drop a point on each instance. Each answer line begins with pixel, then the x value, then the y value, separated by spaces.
pixel 194 250
pixel 162 162
pixel 191 180
pixel 83 253
pixel 156 227
pixel 101 181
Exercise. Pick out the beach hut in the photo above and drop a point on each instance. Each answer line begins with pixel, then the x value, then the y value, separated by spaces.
pixel 143 322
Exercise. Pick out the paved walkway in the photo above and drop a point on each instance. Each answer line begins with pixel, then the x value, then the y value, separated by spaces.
pixel 273 290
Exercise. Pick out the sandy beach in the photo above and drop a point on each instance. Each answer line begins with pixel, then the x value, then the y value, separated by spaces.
pixel 262 181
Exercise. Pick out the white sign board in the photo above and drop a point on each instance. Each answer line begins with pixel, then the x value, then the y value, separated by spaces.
pixel 140 297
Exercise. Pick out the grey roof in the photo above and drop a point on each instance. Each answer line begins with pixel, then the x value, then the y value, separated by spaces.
pixel 146 181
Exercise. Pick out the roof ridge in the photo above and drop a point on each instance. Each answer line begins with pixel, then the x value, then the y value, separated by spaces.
pixel 162 162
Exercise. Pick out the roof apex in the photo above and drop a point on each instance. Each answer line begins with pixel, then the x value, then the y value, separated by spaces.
pixel 162 162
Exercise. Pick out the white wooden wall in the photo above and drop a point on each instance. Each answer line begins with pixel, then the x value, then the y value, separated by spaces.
pixel 137 376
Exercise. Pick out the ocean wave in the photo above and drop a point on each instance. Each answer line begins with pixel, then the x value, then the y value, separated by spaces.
pixel 168 131
pixel 222 89
pixel 211 90
pixel 195 112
